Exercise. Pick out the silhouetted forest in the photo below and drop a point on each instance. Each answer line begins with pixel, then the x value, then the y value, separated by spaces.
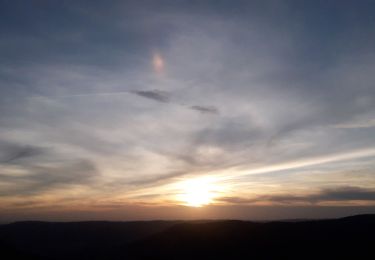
pixel 349 238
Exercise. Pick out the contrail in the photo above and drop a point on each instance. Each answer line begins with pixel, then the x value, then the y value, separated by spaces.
pixel 305 163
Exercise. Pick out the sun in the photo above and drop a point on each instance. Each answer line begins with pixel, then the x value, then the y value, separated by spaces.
pixel 197 192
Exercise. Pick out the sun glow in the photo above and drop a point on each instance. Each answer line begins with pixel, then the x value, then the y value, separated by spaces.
pixel 197 192
pixel 158 63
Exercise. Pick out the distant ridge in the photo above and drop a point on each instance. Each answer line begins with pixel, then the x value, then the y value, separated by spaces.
pixel 351 236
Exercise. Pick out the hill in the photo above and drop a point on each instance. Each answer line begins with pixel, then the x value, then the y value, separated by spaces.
pixel 225 239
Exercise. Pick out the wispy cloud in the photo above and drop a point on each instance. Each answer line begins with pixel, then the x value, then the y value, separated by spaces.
pixel 311 162
pixel 346 193
pixel 206 109
pixel 156 95
pixel 13 153
pixel 40 179
pixel 356 124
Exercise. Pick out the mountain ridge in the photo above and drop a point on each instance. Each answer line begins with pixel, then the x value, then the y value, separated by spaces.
pixel 219 239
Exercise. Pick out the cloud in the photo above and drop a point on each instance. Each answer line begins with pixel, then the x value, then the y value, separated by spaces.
pixel 236 200
pixel 46 178
pixel 157 179
pixel 206 109
pixel 346 193
pixel 357 124
pixel 156 95
pixel 13 153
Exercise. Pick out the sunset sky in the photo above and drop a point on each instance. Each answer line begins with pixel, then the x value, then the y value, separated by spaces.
pixel 133 110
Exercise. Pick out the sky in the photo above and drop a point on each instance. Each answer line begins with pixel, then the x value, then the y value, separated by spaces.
pixel 137 110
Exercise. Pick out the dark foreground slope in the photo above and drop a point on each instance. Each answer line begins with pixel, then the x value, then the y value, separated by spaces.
pixel 352 237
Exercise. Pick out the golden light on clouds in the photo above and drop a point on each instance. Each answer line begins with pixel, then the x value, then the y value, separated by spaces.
pixel 158 63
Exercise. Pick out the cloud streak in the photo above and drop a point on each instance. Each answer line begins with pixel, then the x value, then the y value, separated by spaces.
pixel 206 109
pixel 13 153
pixel 41 179
pixel 338 194
pixel 156 95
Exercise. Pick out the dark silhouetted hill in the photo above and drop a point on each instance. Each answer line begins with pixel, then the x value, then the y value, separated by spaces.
pixel 74 240
pixel 345 238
